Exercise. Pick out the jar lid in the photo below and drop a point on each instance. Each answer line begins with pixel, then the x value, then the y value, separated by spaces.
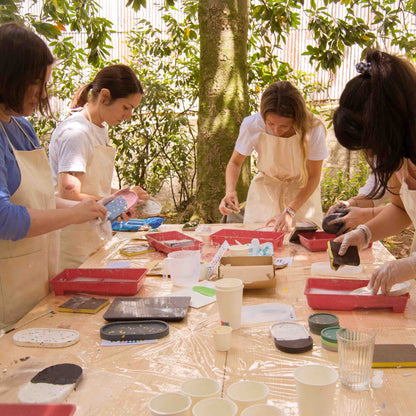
pixel 329 335
pixel 319 321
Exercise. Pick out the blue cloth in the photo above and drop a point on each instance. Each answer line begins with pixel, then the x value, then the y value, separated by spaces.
pixel 135 224
pixel 14 219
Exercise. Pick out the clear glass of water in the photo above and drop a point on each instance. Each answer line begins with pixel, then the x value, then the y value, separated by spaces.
pixel 355 352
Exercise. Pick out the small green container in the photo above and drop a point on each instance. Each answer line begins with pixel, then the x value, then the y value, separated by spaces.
pixel 329 338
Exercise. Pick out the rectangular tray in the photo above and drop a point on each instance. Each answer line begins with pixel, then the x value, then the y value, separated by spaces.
pixel 345 301
pixel 24 409
pixel 245 236
pixel 99 281
pixel 167 308
pixel 156 240
pixel 316 241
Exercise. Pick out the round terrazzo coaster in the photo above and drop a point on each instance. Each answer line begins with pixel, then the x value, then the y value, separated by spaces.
pixel 51 385
pixel 46 337
pixel 150 207
pixel 319 321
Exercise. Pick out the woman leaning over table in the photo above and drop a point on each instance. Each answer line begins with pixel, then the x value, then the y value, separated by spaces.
pixel 28 214
pixel 81 158
pixel 291 147
pixel 377 114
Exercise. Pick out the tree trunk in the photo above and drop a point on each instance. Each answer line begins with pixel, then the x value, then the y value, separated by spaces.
pixel 223 98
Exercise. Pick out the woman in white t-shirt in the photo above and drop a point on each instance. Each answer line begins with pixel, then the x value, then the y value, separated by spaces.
pixel 291 147
pixel 81 158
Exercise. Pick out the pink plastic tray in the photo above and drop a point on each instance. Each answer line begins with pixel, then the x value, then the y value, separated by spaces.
pixel 245 236
pixel 157 240
pixel 348 302
pixel 99 281
pixel 317 241
pixel 20 409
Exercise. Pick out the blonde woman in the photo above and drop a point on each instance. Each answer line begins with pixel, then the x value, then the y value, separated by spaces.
pixel 291 147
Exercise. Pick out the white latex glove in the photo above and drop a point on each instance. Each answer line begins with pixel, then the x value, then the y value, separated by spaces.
pixel 359 237
pixel 393 272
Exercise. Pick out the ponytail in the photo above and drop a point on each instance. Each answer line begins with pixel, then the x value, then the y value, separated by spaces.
pixel 81 96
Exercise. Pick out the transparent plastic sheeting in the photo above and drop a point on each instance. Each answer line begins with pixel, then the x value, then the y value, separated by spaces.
pixel 121 380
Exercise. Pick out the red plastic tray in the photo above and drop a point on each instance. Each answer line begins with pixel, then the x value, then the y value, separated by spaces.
pixel 348 302
pixel 317 241
pixel 99 281
pixel 245 236
pixel 156 240
pixel 21 409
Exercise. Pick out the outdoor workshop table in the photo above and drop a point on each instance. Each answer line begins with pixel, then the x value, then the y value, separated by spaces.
pixel 121 380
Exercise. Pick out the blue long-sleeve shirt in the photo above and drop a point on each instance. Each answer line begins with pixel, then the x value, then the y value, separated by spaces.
pixel 14 219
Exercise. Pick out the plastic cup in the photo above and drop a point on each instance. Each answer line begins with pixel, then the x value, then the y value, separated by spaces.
pixel 201 388
pixel 355 354
pixel 222 338
pixel 229 294
pixel 247 393
pixel 315 388
pixel 238 250
pixel 215 407
pixel 262 410
pixel 170 404
pixel 184 267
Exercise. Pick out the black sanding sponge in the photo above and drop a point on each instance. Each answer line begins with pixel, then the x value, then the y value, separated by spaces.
pixel 334 228
pixel 351 257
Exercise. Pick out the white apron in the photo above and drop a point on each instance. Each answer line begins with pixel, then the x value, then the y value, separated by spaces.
pixel 27 265
pixel 408 197
pixel 277 183
pixel 79 241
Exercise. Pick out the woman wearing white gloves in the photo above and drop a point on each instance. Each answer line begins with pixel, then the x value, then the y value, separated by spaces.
pixel 377 113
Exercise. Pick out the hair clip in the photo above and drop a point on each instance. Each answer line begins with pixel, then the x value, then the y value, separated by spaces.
pixel 363 68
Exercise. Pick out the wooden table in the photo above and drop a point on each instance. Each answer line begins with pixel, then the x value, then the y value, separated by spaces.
pixel 121 380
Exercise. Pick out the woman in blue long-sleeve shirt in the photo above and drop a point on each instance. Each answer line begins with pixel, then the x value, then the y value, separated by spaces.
pixel 28 207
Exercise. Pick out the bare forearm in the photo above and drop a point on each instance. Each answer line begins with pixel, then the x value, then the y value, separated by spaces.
pixel 391 220
pixel 45 221
pixel 304 194
pixel 231 177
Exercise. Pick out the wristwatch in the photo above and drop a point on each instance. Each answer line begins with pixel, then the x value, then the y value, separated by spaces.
pixel 290 211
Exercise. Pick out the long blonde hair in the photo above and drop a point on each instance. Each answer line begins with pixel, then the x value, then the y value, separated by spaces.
pixel 285 100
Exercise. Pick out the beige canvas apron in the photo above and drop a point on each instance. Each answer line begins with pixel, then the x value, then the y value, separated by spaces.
pixel 408 197
pixel 27 265
pixel 277 183
pixel 79 241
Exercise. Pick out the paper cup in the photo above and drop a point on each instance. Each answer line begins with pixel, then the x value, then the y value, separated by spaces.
pixel 229 294
pixel 201 388
pixel 184 267
pixel 170 404
pixel 247 393
pixel 215 407
pixel 262 410
pixel 315 388
pixel 238 250
pixel 222 338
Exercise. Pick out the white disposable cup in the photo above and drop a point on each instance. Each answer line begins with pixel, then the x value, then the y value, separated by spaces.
pixel 315 388
pixel 262 410
pixel 170 404
pixel 184 267
pixel 201 388
pixel 222 338
pixel 238 250
pixel 229 294
pixel 246 393
pixel 355 355
pixel 215 407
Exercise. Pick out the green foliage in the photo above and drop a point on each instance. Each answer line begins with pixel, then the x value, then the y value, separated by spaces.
pixel 160 143
pixel 342 185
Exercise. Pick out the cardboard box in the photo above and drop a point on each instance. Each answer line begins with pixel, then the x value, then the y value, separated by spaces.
pixel 257 272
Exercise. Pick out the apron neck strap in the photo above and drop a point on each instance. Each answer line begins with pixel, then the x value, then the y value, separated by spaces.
pixel 22 130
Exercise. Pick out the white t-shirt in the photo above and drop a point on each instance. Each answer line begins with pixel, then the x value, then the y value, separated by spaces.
pixel 72 144
pixel 252 126
pixel 368 187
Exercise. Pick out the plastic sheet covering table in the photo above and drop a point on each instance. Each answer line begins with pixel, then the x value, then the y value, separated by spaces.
pixel 121 380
